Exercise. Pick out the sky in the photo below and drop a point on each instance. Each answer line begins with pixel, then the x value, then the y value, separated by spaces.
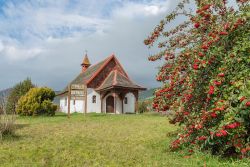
pixel 46 40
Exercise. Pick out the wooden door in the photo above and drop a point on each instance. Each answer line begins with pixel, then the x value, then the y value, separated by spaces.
pixel 110 104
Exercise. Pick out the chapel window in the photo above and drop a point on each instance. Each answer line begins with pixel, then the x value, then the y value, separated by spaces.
pixel 94 99
pixel 125 100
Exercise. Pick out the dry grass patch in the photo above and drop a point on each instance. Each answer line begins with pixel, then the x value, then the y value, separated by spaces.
pixel 7 125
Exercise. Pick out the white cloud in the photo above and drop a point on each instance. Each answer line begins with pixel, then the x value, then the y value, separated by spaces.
pixel 132 9
pixel 31 25
pixel 1 46
pixel 55 37
pixel 13 53
pixel 50 20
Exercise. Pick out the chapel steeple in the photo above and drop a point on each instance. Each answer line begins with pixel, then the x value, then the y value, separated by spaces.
pixel 85 63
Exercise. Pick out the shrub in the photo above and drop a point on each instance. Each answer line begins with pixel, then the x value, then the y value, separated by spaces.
pixel 7 125
pixel 144 106
pixel 206 76
pixel 17 91
pixel 38 101
pixel 46 105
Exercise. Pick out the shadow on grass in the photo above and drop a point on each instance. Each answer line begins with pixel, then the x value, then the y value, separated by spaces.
pixel 20 126
pixel 152 114
pixel 60 115
pixel 11 137
pixel 97 115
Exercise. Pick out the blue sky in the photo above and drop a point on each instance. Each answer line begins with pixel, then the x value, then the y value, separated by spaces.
pixel 46 40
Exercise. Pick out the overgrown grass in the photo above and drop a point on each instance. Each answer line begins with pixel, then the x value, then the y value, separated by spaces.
pixel 7 125
pixel 98 140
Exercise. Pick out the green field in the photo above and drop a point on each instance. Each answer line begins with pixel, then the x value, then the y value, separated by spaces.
pixel 98 140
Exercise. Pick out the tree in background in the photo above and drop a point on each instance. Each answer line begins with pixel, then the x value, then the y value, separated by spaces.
pixel 17 91
pixel 38 101
pixel 206 75
pixel 3 103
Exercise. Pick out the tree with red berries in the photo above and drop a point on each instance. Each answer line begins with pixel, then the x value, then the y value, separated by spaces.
pixel 206 75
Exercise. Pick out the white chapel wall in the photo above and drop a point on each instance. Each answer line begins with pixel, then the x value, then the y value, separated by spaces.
pixel 118 105
pixel 96 107
pixel 93 107
pixel 130 106
pixel 63 104
pixel 75 105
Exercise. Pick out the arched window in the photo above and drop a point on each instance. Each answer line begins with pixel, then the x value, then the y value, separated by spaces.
pixel 125 100
pixel 94 99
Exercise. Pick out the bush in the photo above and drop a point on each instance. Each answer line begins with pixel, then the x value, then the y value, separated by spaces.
pixel 38 101
pixel 16 93
pixel 143 106
pixel 7 125
pixel 206 76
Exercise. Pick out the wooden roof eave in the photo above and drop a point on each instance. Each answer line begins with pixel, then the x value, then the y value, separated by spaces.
pixel 133 88
pixel 62 93
pixel 121 87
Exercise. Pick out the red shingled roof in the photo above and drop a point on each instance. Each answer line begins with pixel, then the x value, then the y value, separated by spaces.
pixel 120 79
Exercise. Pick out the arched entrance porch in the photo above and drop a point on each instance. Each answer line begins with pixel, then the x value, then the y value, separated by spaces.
pixel 119 101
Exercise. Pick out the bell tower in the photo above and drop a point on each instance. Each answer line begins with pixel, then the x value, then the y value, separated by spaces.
pixel 85 63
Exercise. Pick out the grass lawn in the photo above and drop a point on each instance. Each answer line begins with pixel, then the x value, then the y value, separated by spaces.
pixel 98 140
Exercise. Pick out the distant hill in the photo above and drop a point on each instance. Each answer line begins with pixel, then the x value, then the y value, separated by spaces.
pixel 4 93
pixel 148 94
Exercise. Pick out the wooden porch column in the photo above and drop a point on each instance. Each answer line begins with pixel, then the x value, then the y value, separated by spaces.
pixel 114 94
pixel 101 97
pixel 122 105
pixel 86 99
pixel 121 97
pixel 136 94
